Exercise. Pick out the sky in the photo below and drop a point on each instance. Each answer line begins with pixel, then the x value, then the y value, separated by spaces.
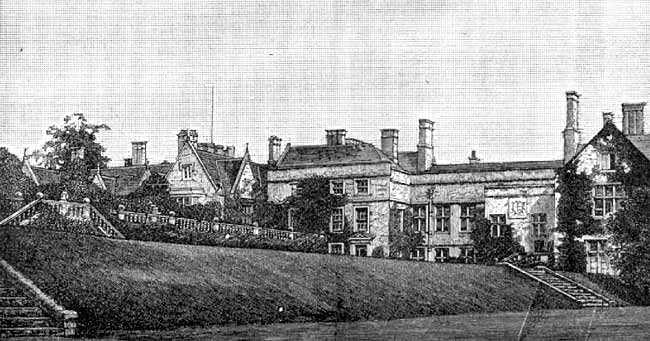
pixel 492 75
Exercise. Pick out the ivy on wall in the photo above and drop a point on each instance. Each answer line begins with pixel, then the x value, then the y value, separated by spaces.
pixel 490 249
pixel 403 239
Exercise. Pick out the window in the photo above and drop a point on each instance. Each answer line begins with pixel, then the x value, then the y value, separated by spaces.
pixel 539 225
pixel 595 246
pixel 187 171
pixel 336 248
pixel 607 161
pixel 362 186
pixel 419 253
pixel 295 188
pixel 361 219
pixel 442 254
pixel 291 215
pixel 443 214
pixel 420 218
pixel 336 220
pixel 467 254
pixel 497 224
pixel 607 199
pixel 361 250
pixel 248 214
pixel 336 187
pixel 400 219
pixel 185 201
pixel 467 216
pixel 540 246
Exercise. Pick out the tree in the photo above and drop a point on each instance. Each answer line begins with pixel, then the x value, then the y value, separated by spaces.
pixel 488 248
pixel 313 204
pixel 574 216
pixel 12 180
pixel 403 239
pixel 630 228
pixel 73 147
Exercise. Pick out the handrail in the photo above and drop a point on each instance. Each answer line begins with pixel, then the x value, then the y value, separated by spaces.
pixel 19 212
pixel 539 280
pixel 112 231
pixel 576 284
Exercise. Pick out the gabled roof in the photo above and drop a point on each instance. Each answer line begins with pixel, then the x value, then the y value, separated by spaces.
pixel 125 180
pixel 353 152
pixel 40 175
pixel 640 143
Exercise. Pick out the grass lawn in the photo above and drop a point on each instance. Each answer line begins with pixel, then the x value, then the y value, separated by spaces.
pixel 130 285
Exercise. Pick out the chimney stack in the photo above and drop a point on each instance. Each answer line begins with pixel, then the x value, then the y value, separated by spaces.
pixel 274 149
pixel 572 130
pixel 139 152
pixel 336 137
pixel 608 116
pixel 473 158
pixel 426 158
pixel 230 151
pixel 633 118
pixel 389 143
pixel 189 136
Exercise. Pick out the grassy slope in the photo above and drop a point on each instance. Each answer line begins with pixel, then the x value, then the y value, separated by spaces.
pixel 138 285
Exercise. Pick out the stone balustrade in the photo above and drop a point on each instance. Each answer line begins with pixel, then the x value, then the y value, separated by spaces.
pixel 202 226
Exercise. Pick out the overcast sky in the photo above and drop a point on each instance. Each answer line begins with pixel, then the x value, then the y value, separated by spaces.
pixel 492 75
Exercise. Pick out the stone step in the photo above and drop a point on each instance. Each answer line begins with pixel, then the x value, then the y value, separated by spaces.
pixel 14 301
pixel 21 311
pixel 36 331
pixel 30 322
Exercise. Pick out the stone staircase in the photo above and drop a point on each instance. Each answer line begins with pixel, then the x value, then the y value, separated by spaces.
pixel 569 288
pixel 22 315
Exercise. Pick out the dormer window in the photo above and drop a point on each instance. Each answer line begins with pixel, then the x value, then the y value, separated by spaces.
pixel 607 161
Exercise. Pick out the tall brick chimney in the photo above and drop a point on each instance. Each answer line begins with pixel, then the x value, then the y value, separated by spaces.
pixel 230 151
pixel 473 158
pixel 139 152
pixel 426 158
pixel 633 118
pixel 572 130
pixel 274 149
pixel 389 143
pixel 336 137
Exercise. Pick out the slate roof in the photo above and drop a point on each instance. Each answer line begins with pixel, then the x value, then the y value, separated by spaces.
pixel 224 169
pixel 325 155
pixel 125 180
pixel 495 166
pixel 46 176
pixel 642 143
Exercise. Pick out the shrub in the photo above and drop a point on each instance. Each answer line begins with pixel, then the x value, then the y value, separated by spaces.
pixel 51 220
pixel 378 252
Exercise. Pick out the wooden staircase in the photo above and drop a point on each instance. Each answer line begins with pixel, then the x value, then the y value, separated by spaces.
pixel 22 315
pixel 578 293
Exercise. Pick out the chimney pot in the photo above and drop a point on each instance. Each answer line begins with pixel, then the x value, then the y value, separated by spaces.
pixel 473 158
pixel 230 151
pixel 607 117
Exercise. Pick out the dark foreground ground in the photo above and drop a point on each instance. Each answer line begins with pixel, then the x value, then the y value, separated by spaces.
pixel 629 323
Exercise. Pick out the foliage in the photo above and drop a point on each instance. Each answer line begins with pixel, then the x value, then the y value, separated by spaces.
pixel 76 134
pixel 630 227
pixel 313 205
pixel 12 180
pixel 574 216
pixel 378 252
pixel 267 213
pixel 402 238
pixel 490 249
pixel 51 220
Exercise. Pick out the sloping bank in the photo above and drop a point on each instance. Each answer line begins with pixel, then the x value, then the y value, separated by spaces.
pixel 129 285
